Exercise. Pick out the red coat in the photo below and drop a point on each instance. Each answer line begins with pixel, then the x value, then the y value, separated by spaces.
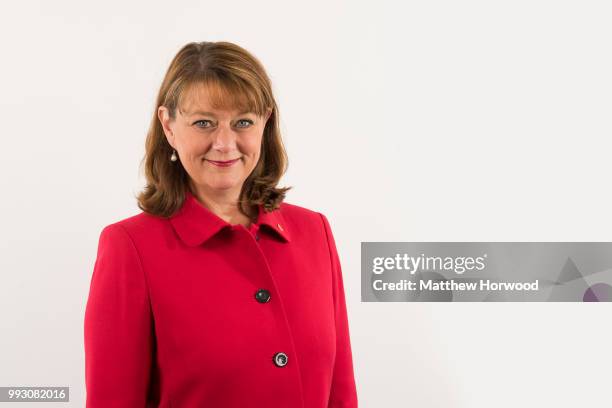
pixel 193 312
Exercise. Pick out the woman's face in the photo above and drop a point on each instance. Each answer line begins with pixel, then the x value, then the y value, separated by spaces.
pixel 218 148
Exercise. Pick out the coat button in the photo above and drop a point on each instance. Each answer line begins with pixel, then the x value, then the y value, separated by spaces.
pixel 262 295
pixel 257 237
pixel 280 359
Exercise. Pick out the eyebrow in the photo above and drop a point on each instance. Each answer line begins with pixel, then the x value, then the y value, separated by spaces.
pixel 212 114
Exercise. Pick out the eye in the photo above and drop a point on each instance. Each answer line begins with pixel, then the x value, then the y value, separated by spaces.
pixel 250 122
pixel 202 120
pixel 246 123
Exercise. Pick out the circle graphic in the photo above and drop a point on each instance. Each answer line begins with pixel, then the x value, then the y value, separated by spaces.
pixel 599 292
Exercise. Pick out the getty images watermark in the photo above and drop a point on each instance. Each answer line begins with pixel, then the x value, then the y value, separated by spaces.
pixel 458 265
pixel 486 271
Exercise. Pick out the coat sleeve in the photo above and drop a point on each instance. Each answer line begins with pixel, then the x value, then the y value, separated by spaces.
pixel 343 392
pixel 118 324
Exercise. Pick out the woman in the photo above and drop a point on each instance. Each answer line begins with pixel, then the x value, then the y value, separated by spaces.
pixel 218 294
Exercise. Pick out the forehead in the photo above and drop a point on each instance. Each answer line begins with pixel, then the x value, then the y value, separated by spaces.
pixel 212 99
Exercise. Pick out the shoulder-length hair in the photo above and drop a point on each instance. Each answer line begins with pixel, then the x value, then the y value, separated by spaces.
pixel 235 79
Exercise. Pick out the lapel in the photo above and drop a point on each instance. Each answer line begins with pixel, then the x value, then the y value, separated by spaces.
pixel 195 224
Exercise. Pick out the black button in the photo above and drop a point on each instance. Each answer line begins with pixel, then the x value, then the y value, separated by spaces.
pixel 280 359
pixel 256 237
pixel 262 295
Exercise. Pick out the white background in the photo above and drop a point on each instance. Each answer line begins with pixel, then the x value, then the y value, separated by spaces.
pixel 403 121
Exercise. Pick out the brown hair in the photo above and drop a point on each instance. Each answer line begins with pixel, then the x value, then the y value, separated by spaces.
pixel 235 79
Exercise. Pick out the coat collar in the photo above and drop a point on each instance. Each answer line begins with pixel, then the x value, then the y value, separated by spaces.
pixel 195 223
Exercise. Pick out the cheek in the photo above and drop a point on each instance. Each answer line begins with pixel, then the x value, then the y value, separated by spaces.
pixel 252 146
pixel 194 147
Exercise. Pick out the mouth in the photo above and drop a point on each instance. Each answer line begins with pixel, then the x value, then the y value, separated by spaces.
pixel 221 163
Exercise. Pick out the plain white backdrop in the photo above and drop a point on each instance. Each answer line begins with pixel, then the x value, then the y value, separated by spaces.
pixel 403 121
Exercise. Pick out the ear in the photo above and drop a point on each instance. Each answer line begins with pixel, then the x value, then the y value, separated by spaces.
pixel 268 114
pixel 163 114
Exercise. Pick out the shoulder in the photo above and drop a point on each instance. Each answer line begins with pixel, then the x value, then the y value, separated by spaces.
pixel 135 226
pixel 299 213
pixel 312 228
pixel 302 217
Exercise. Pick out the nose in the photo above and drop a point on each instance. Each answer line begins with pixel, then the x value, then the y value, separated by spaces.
pixel 224 139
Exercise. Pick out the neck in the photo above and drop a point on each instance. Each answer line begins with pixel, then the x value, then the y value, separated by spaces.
pixel 223 204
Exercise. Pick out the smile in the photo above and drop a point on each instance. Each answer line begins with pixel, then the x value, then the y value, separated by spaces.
pixel 223 163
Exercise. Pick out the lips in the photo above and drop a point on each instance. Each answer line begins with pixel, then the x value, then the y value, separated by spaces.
pixel 225 163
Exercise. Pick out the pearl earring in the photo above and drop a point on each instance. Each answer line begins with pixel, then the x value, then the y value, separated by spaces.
pixel 173 157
